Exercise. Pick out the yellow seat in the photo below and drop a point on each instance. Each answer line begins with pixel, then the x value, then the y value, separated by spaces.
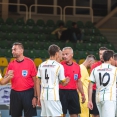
pixel 81 61
pixel 3 61
pixel 37 61
pixel 12 59
pixel 4 71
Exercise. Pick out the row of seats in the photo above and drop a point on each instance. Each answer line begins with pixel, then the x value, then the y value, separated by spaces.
pixel 40 22
pixel 42 30
pixel 44 53
pixel 46 38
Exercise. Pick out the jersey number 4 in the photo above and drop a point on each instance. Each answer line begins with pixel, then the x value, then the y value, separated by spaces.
pixel 101 78
pixel 46 75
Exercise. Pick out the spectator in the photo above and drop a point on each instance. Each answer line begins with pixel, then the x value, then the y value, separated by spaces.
pixel 50 73
pixel 85 81
pixel 59 30
pixel 23 93
pixel 68 94
pixel 62 33
pixel 76 33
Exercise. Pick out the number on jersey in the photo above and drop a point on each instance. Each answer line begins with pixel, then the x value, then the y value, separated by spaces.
pixel 101 78
pixel 46 75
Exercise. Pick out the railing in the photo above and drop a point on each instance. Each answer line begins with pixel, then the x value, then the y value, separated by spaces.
pixel 19 5
pixel 53 6
pixel 91 11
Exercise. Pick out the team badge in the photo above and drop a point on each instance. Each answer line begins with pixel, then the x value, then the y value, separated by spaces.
pixel 75 76
pixel 24 73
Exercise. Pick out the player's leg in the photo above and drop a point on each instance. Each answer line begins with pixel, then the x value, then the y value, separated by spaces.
pixel 15 104
pixel 64 100
pixel 53 108
pixel 99 106
pixel 74 105
pixel 27 97
pixel 108 108
pixel 94 112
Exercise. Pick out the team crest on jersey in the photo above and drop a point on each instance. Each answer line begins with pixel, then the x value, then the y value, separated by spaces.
pixel 24 73
pixel 75 76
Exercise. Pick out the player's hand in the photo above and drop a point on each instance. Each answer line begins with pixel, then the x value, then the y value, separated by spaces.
pixel 83 99
pixel 67 80
pixel 90 105
pixel 10 72
pixel 34 102
pixel 39 103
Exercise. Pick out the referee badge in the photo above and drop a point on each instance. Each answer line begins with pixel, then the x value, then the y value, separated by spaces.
pixel 75 76
pixel 24 73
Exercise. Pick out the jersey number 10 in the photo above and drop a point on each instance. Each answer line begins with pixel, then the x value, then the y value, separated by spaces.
pixel 101 78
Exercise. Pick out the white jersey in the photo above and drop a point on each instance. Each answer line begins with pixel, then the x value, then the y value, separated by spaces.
pixel 51 73
pixel 105 78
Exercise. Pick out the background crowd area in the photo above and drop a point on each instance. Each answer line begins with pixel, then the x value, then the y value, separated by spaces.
pixel 36 37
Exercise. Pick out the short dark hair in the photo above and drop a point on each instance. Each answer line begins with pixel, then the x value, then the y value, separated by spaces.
pixel 91 56
pixel 107 55
pixel 19 44
pixel 103 48
pixel 115 56
pixel 74 23
pixel 53 49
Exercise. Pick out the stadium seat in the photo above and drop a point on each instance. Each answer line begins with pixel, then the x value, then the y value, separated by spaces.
pixel 30 22
pixel 31 37
pixel 50 23
pixel 9 21
pixel 37 61
pixel 4 28
pixel 20 21
pixel 69 24
pixel 3 62
pixel 80 24
pixel 25 29
pixel 89 24
pixel 69 44
pixel 11 59
pixel 35 29
pixel 80 46
pixel 15 29
pixel 1 21
pixel 20 37
pixel 41 37
pixel 40 23
pixel 10 36
pixel 90 47
pixel 8 53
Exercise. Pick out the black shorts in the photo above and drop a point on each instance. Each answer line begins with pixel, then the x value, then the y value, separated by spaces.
pixel 95 109
pixel 70 100
pixel 22 101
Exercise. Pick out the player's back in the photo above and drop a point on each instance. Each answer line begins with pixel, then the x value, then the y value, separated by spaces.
pixel 50 72
pixel 105 78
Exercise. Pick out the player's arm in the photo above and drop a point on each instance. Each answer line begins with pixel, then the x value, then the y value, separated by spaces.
pixel 80 89
pixel 38 84
pixel 90 90
pixel 64 81
pixel 9 75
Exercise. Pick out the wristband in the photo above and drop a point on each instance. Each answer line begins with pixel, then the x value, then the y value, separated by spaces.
pixel 35 97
